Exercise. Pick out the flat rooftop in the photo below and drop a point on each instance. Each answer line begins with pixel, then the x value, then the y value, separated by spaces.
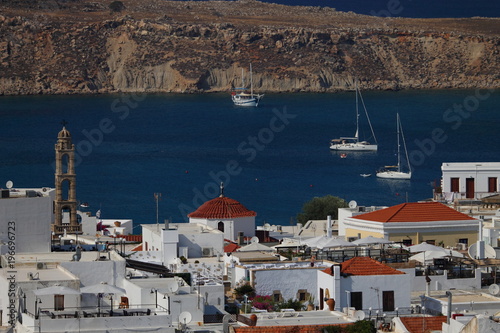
pixel 46 275
pixel 183 228
pixel 320 317
pixel 57 257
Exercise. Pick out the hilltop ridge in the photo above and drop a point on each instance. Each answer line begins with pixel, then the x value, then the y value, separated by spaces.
pixel 79 46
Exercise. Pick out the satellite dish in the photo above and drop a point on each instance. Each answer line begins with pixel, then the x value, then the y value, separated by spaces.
pixel 9 184
pixel 489 251
pixel 353 204
pixel 173 286
pixel 359 315
pixel 254 239
pixel 185 317
pixel 494 289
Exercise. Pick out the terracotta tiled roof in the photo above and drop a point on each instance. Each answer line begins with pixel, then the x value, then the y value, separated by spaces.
pixel 415 212
pixel 285 329
pixel 364 266
pixel 231 247
pixel 423 324
pixel 137 248
pixel 221 208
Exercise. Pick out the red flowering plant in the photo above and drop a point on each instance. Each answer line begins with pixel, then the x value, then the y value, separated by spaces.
pixel 263 302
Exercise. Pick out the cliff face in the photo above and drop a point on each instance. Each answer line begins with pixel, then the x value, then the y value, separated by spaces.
pixel 203 46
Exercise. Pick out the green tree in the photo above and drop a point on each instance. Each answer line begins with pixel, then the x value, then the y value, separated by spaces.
pixel 116 6
pixel 244 289
pixel 318 208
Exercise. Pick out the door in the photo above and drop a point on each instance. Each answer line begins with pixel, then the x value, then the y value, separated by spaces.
pixel 469 188
pixel 388 300
pixel 492 184
pixel 58 302
pixel 455 183
pixel 321 298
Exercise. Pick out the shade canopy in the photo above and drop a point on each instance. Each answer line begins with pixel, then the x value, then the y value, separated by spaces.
pixel 102 288
pixel 431 255
pixel 424 247
pixel 56 290
pixel 371 240
pixel 255 247
pixel 336 242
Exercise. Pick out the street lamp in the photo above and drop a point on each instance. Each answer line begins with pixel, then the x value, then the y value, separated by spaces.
pixel 246 302
pixel 397 312
pixel 155 291
pixel 52 241
pixel 370 315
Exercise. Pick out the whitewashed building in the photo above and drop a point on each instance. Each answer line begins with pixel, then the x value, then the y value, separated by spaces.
pixel 227 215
pixel 25 218
pixel 364 283
pixel 472 180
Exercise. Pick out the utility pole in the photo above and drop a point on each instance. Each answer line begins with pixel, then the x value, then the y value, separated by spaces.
pixel 157 199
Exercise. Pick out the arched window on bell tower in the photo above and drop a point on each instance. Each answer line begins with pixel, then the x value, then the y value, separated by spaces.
pixel 220 226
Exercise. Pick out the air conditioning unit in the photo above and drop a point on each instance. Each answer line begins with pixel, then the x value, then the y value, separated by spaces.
pixel 41 265
pixel 207 251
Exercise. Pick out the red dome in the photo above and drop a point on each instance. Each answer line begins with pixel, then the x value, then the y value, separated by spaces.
pixel 221 208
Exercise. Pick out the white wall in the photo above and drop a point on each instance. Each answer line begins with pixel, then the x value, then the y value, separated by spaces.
pixel 196 241
pixel 287 281
pixel 231 226
pixel 479 171
pixel 32 217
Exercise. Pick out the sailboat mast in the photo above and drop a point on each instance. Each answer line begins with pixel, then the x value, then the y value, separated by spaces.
pixel 357 112
pixel 251 81
pixel 399 148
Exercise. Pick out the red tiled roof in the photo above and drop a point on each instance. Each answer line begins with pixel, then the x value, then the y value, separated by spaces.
pixel 221 208
pixel 137 248
pixel 231 247
pixel 364 266
pixel 423 324
pixel 285 329
pixel 415 212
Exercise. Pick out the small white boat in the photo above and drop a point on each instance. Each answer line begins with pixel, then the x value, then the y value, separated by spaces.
pixel 354 143
pixel 241 97
pixel 395 171
pixel 365 175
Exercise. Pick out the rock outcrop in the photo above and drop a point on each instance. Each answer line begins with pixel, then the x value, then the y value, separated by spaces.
pixel 172 46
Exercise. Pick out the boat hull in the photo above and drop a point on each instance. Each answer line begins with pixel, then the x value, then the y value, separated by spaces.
pixel 245 101
pixel 353 147
pixel 394 175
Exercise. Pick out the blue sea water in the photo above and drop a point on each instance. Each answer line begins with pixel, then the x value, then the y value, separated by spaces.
pixel 405 8
pixel 272 158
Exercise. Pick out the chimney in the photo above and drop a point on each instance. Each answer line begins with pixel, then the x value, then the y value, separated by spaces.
pixel 241 238
pixel 329 227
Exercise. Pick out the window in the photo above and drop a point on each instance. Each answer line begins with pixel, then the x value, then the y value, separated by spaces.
pixel 357 300
pixel 301 295
pixel 464 241
pixel 431 241
pixel 220 226
pixel 58 302
pixel 277 296
pixel 455 182
pixel 388 300
pixel 407 242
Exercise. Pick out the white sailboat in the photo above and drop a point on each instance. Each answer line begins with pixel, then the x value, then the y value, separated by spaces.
pixel 354 143
pixel 395 171
pixel 241 97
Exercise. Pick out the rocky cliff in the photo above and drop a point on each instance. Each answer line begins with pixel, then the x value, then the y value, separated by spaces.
pixel 171 46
